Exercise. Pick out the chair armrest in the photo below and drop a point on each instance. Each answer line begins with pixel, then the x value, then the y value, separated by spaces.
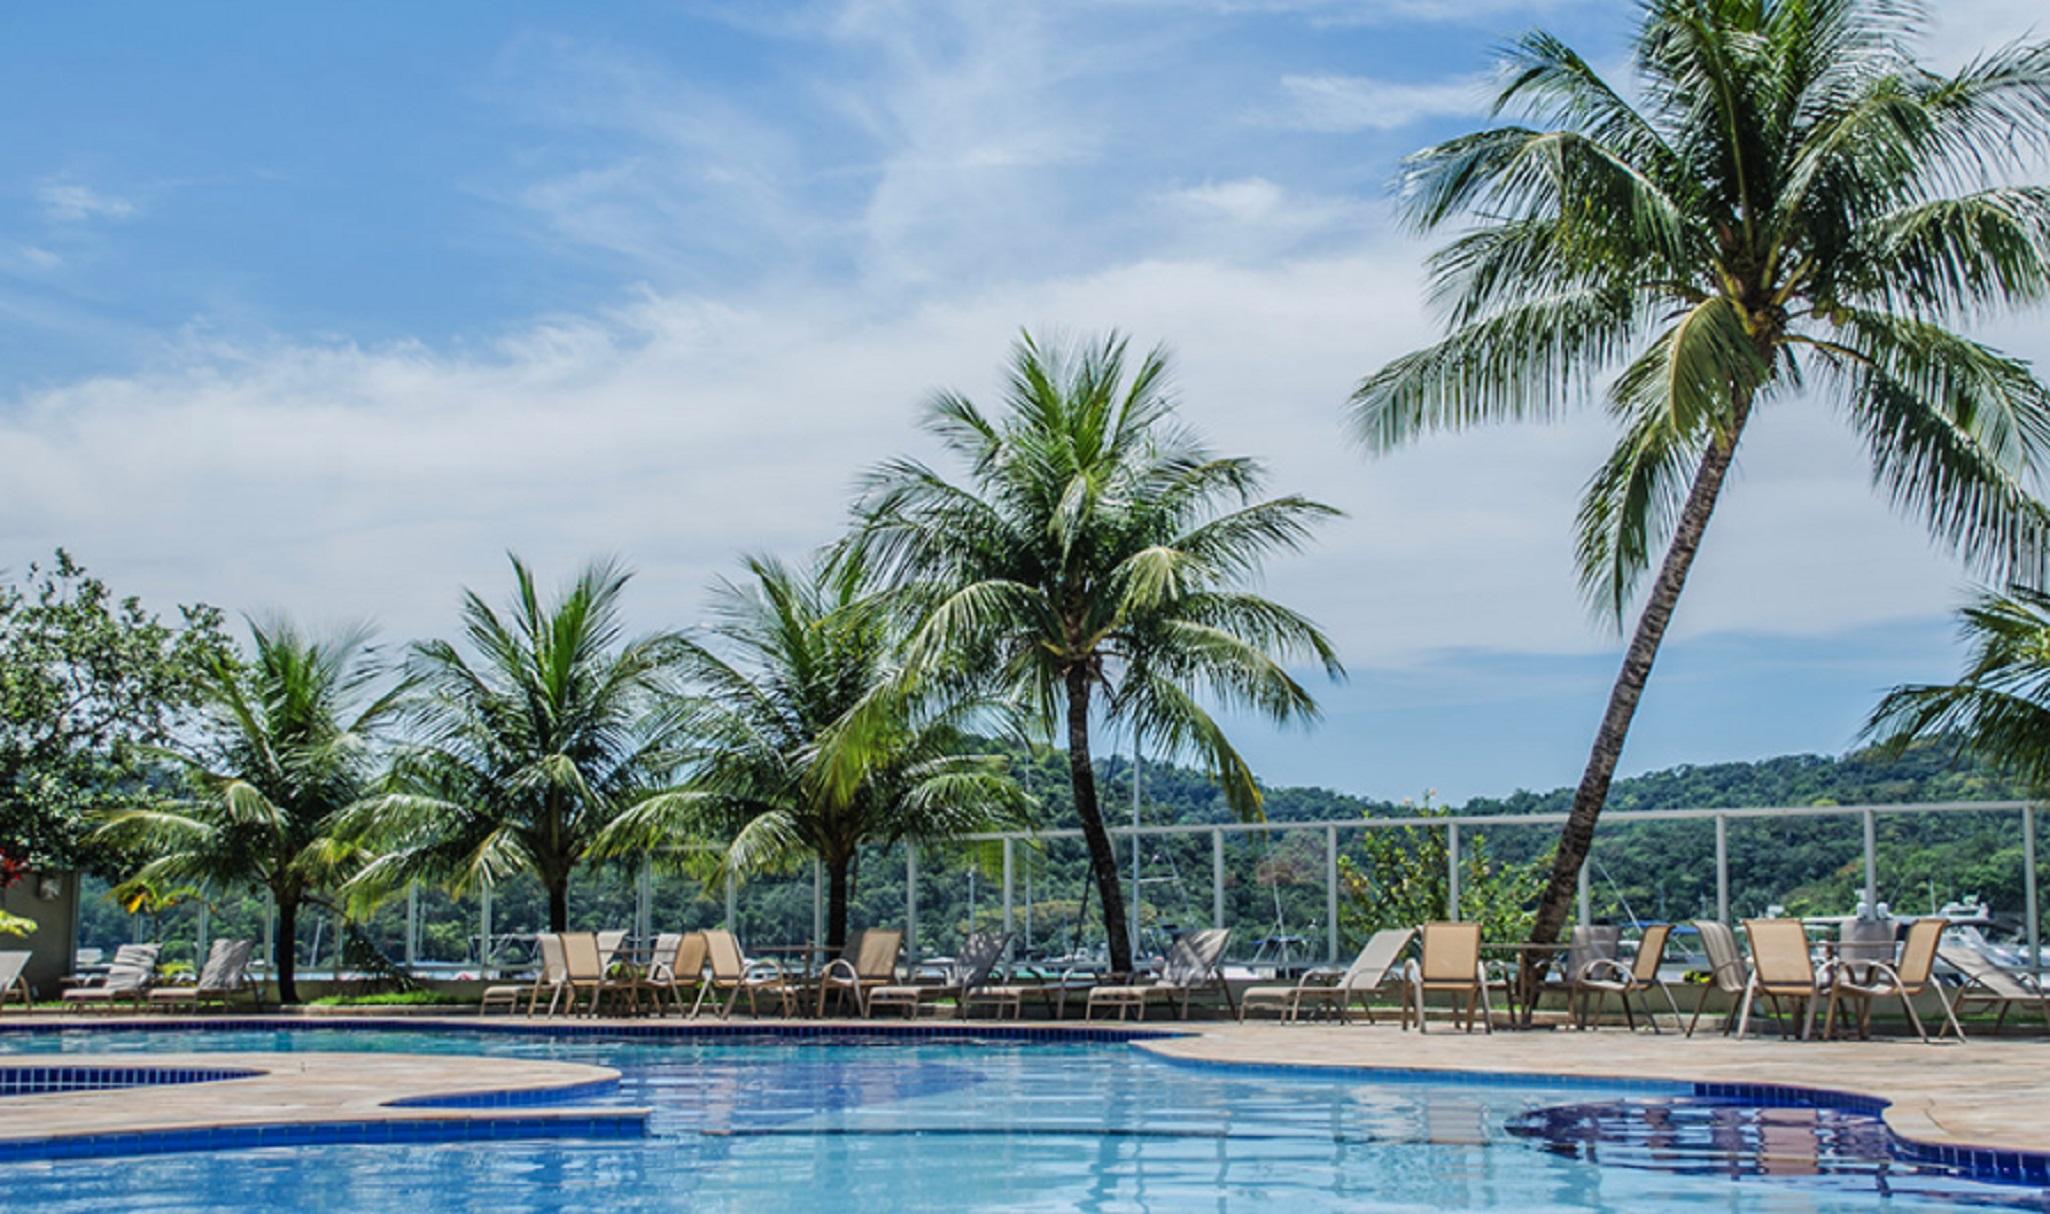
pixel 1610 967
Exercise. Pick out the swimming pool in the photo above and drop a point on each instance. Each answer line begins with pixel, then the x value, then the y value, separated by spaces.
pixel 918 1125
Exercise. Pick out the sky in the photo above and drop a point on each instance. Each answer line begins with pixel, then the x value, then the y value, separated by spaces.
pixel 322 310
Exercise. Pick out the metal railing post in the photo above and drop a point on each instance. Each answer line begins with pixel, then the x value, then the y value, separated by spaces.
pixel 1722 868
pixel 1871 861
pixel 205 930
pixel 1584 898
pixel 2029 890
pixel 1331 894
pixel 484 949
pixel 644 899
pixel 818 903
pixel 1217 878
pixel 732 905
pixel 910 902
pixel 1452 871
pixel 1008 875
pixel 412 924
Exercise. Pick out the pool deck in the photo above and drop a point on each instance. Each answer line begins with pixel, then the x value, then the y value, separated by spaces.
pixel 369 1093
pixel 1990 1093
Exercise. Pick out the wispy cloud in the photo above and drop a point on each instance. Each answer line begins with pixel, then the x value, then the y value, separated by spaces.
pixel 1350 104
pixel 68 201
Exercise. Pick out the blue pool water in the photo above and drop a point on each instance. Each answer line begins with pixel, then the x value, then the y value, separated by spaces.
pixel 763 1126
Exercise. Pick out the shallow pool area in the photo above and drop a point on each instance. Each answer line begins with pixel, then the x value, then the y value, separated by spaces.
pixel 816 1125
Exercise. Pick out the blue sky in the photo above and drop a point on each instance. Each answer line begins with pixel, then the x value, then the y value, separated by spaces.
pixel 323 309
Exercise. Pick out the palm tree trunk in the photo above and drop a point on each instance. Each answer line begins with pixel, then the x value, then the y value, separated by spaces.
pixel 558 903
pixel 1577 837
pixel 285 946
pixel 839 891
pixel 1102 861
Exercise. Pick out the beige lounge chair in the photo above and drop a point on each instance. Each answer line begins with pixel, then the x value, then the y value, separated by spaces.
pixel 1450 965
pixel 552 978
pixel 1781 969
pixel 678 966
pixel 224 976
pixel 128 977
pixel 12 983
pixel 1915 974
pixel 585 968
pixel 733 973
pixel 1605 976
pixel 1726 972
pixel 969 971
pixel 1990 984
pixel 869 961
pixel 1379 961
pixel 1192 965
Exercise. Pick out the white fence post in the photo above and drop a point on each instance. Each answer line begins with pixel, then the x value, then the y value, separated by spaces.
pixel 1008 875
pixel 1331 894
pixel 1722 868
pixel 2029 889
pixel 910 902
pixel 1452 870
pixel 1871 861
pixel 1217 878
pixel 412 953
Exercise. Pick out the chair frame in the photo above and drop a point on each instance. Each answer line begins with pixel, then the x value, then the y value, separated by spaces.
pixel 868 961
pixel 1804 994
pixel 1912 975
pixel 1195 961
pixel 1425 978
pixel 1982 973
pixel 1729 974
pixel 1605 976
pixel 18 984
pixel 1343 986
pixel 733 973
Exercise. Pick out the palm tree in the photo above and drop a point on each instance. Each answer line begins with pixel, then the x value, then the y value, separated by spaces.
pixel 287 744
pixel 2000 709
pixel 1793 207
pixel 801 740
pixel 528 747
pixel 1095 558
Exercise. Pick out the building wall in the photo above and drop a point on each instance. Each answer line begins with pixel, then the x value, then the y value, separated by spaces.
pixel 56 926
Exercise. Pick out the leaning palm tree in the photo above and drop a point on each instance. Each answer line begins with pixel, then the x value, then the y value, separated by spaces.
pixel 1790 208
pixel 286 746
pixel 1094 561
pixel 800 739
pixel 1999 710
pixel 525 748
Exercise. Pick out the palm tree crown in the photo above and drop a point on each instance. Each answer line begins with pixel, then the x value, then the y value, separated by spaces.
pixel 526 748
pixel 1784 204
pixel 288 745
pixel 1097 549
pixel 2000 708
pixel 801 740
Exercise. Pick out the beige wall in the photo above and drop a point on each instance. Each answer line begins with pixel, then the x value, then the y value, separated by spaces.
pixel 56 927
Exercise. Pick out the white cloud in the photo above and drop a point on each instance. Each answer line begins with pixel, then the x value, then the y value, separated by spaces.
pixel 66 201
pixel 1349 104
pixel 338 482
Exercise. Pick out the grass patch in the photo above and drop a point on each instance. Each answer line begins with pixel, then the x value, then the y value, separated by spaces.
pixel 395 999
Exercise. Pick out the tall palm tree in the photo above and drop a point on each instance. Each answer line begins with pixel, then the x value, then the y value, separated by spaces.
pixel 1791 207
pixel 1999 709
pixel 526 747
pixel 286 745
pixel 801 740
pixel 1095 559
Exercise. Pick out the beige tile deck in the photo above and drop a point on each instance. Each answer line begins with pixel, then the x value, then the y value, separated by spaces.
pixel 294 1089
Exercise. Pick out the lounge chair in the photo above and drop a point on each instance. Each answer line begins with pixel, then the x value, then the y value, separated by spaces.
pixel 552 978
pixel 1192 965
pixel 733 973
pixel 128 977
pixel 1915 974
pixel 1781 969
pixel 678 966
pixel 12 982
pixel 1608 976
pixel 1988 983
pixel 1379 961
pixel 869 961
pixel 1587 948
pixel 586 967
pixel 1726 972
pixel 224 976
pixel 1450 965
pixel 969 971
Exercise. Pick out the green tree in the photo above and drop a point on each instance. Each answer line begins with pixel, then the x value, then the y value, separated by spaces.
pixel 799 738
pixel 1999 709
pixel 1793 207
pixel 525 750
pixel 88 684
pixel 1096 558
pixel 1400 878
pixel 287 745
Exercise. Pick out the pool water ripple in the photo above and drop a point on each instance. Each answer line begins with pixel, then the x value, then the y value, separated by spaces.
pixel 769 1127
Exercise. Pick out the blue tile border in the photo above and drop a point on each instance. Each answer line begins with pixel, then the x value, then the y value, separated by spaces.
pixel 40 1078
pixel 623 1123
pixel 835 1032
